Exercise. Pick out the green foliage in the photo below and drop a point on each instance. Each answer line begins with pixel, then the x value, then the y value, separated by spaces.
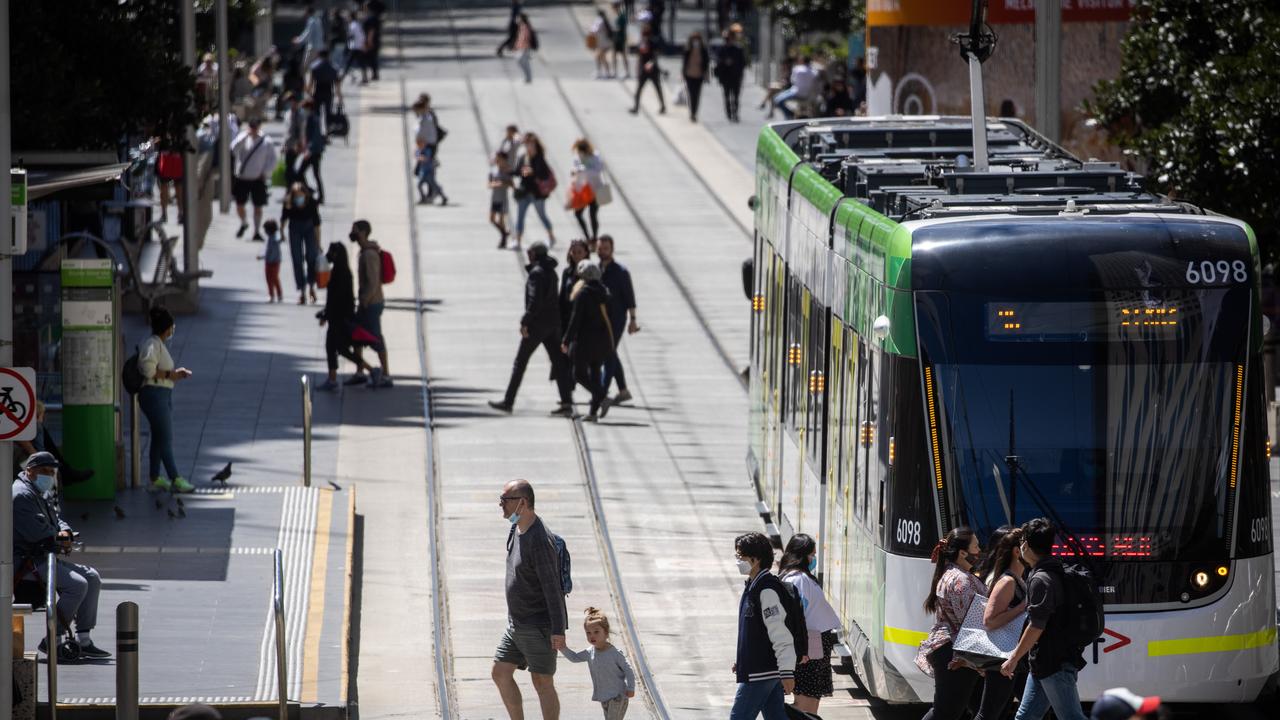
pixel 1197 103
pixel 86 74
pixel 800 17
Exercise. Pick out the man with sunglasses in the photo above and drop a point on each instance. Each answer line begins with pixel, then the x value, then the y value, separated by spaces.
pixel 536 618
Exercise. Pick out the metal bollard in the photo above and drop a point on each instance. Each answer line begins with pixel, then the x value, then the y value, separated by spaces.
pixel 306 431
pixel 127 661
pixel 282 661
pixel 135 445
pixel 51 632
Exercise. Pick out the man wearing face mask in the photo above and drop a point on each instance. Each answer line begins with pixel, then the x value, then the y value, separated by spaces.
pixel 38 530
pixel 536 618
pixel 766 658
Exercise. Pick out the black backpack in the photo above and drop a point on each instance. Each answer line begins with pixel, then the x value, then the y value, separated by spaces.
pixel 131 376
pixel 1084 607
pixel 337 123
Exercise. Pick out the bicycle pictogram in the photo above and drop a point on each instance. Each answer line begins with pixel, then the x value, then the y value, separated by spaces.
pixel 13 408
pixel 17 403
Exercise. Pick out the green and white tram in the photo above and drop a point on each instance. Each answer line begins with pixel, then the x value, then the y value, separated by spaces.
pixel 935 346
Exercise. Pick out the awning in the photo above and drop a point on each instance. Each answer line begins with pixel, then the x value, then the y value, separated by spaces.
pixel 43 182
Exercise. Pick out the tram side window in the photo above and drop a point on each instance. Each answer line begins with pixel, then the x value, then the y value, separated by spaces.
pixel 816 353
pixel 1253 535
pixel 911 524
pixel 775 350
pixel 849 414
pixel 865 372
pixel 795 372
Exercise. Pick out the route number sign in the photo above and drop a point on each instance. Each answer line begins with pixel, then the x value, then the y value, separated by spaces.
pixel 17 403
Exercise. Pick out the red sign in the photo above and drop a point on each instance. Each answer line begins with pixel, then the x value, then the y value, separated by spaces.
pixel 17 403
pixel 999 12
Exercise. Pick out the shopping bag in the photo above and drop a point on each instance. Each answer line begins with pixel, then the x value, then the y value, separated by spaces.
pixel 593 42
pixel 580 197
pixel 323 271
pixel 983 648
pixel 604 194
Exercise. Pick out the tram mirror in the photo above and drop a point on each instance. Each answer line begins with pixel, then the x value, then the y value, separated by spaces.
pixel 881 327
pixel 751 202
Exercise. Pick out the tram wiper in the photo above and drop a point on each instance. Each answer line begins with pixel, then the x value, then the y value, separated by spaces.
pixel 1004 497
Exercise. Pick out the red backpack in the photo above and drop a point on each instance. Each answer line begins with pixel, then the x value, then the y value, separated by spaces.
pixel 388 267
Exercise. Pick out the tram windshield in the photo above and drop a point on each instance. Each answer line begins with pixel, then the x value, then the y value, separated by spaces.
pixel 1112 414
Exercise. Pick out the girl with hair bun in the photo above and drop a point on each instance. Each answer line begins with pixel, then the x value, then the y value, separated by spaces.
pixel 156 401
pixel 954 588
pixel 613 683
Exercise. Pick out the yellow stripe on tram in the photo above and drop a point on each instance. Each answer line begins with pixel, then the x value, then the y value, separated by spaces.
pixel 902 636
pixel 1211 644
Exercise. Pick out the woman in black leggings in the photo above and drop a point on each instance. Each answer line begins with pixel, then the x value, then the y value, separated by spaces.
pixel 647 70
pixel 954 587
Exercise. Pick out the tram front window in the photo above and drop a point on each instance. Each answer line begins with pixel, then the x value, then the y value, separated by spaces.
pixel 1110 414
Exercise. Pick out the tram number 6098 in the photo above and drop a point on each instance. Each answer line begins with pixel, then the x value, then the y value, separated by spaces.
pixel 1207 272
pixel 908 532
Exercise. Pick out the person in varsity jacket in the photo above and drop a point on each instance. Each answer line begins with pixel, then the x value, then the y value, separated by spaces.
pixel 766 646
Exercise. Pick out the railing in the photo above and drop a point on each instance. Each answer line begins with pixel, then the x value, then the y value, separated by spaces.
pixel 277 602
pixel 51 631
pixel 306 431
pixel 135 443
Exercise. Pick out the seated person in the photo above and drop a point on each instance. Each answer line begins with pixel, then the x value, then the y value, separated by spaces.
pixel 44 441
pixel 37 530
pixel 837 101
pixel 804 84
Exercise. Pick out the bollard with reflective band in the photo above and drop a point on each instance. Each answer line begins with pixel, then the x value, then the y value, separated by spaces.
pixel 306 431
pixel 127 661
pixel 51 636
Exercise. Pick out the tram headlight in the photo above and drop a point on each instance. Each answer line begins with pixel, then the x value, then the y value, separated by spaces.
pixel 1200 579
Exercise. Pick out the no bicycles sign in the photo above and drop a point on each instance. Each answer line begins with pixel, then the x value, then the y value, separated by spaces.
pixel 17 403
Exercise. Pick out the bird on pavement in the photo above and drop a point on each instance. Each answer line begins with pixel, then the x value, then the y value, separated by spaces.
pixel 159 504
pixel 171 514
pixel 84 517
pixel 179 501
pixel 222 475
pixel 182 512
pixel 334 485
pixel 119 512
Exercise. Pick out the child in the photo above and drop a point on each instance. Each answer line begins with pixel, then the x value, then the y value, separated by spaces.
pixel 499 181
pixel 612 680
pixel 424 169
pixel 272 261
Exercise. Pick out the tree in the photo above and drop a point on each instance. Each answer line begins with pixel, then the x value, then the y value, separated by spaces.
pixel 87 75
pixel 799 17
pixel 1197 105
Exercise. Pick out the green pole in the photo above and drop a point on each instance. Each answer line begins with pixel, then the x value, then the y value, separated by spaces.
pixel 89 376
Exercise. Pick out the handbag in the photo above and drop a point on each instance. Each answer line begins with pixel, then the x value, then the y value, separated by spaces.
pixel 580 197
pixel 546 185
pixel 323 271
pixel 604 194
pixel 983 648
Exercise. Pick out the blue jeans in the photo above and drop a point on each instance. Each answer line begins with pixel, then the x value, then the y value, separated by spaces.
pixel 157 404
pixel 522 206
pixel 754 698
pixel 302 244
pixel 780 101
pixel 1058 691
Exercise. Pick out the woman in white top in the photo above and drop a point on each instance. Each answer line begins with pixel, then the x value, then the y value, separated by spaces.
pixel 603 35
pixel 813 671
pixel 156 401
pixel 588 170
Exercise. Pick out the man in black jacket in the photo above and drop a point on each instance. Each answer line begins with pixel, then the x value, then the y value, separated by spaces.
pixel 540 325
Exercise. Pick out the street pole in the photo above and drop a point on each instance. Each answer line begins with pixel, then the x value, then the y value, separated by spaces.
pixel 1048 44
pixel 6 359
pixel 190 193
pixel 224 110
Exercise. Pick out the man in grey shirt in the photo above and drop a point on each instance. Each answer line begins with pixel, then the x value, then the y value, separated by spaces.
pixel 535 606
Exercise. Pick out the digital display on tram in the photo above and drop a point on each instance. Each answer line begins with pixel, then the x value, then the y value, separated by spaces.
pixel 1139 319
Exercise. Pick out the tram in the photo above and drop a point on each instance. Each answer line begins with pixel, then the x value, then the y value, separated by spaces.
pixel 934 345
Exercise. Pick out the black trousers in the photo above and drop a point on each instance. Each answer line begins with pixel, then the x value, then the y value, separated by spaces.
pixel 951 688
pixel 694 86
pixel 996 692
pixel 337 341
pixel 559 366
pixel 313 162
pixel 731 92
pixel 593 209
pixel 650 77
pixel 590 376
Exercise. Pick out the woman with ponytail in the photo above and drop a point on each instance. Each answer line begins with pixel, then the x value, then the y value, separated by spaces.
pixel 954 588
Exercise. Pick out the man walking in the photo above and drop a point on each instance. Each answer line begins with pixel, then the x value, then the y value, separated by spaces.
pixel 540 325
pixel 324 83
pixel 766 658
pixel 312 36
pixel 622 303
pixel 369 301
pixel 536 618
pixel 1055 658
pixel 255 158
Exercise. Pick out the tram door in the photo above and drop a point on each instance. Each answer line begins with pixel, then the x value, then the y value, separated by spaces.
pixel 834 556
pixel 777 357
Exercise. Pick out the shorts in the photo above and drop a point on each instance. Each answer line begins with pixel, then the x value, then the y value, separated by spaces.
pixel 498 205
pixel 242 190
pixel 527 648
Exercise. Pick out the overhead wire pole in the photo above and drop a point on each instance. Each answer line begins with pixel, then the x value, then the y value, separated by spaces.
pixel 190 225
pixel 224 111
pixel 6 359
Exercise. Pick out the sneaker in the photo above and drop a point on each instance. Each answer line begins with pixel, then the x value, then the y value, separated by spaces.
pixel 357 379
pixel 243 227
pixel 328 385
pixel 622 396
pixel 180 485
pixel 89 650
pixel 386 382
pixel 160 485
pixel 257 237
pixel 593 417
pixel 502 405
pixel 443 201
pixel 563 410
pixel 375 378
pixel 604 406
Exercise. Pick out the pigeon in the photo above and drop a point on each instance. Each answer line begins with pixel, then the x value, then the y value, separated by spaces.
pixel 159 504
pixel 334 485
pixel 84 517
pixel 119 513
pixel 179 501
pixel 182 512
pixel 171 515
pixel 222 475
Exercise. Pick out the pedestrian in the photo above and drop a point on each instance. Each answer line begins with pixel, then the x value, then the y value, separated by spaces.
pixel 540 325
pixel 647 70
pixel 156 401
pixel 578 251
pixel 513 28
pixel 1006 601
pixel 357 48
pixel 730 64
pixel 312 36
pixel 511 142
pixel 526 42
pixel 588 338
pixel 618 46
pixel 766 655
pixel 813 673
pixel 271 258
pixel 338 30
pixel 587 179
pixel 262 76
pixel 255 159
pixel 372 25
pixel 1124 704
pixel 536 616
pixel 324 87
pixel 370 301
pixel 499 185
pixel 622 303
pixel 534 185
pixel 613 682
pixel 1055 658
pixel 294 137
pixel 952 590
pixel 600 41
pixel 695 68
pixel 428 134
pixel 804 85
pixel 169 162
pixel 836 101
pixel 292 82
pixel 338 314
pixel 301 217
pixel 313 144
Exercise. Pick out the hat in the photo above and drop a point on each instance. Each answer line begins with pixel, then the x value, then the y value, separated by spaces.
pixel 538 250
pixel 39 460
pixel 588 270
pixel 195 711
pixel 1122 704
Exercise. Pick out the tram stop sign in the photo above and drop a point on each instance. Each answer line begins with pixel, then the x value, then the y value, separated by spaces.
pixel 17 403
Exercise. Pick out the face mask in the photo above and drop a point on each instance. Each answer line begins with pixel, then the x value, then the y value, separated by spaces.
pixel 43 483
pixel 513 518
pixel 813 563
pixel 744 567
